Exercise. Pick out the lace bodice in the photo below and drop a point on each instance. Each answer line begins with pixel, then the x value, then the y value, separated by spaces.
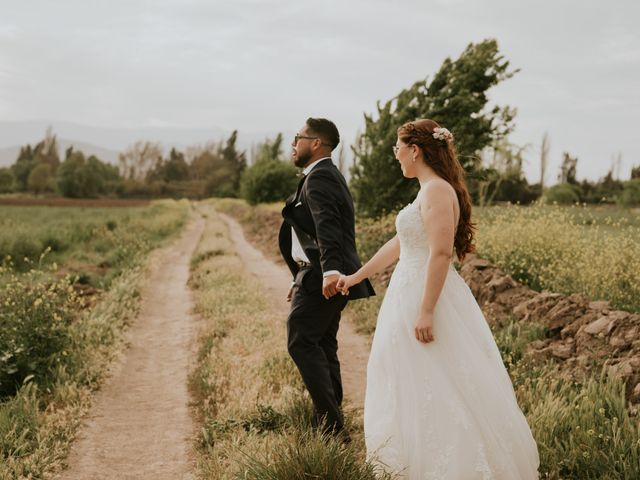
pixel 414 247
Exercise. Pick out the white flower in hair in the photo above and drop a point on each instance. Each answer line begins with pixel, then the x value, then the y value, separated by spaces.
pixel 441 133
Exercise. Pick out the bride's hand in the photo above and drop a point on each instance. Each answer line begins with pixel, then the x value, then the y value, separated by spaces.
pixel 345 282
pixel 424 327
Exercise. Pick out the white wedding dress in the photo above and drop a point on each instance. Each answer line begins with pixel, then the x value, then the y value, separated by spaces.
pixel 446 409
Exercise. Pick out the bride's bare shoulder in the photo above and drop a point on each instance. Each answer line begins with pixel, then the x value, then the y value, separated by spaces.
pixel 436 191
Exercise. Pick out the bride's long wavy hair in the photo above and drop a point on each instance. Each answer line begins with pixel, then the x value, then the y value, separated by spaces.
pixel 440 155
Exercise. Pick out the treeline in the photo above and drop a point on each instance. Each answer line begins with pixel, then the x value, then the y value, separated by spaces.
pixel 216 169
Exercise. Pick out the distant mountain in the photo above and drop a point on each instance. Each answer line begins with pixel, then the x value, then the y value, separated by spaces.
pixel 106 142
pixel 8 155
pixel 17 133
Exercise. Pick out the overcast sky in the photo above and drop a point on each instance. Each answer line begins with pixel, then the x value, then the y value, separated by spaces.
pixel 266 65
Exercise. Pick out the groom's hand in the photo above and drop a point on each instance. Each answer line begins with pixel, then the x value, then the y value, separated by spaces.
pixel 329 286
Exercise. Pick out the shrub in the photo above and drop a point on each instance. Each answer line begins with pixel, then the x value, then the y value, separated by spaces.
pixel 631 193
pixel 34 333
pixel 268 181
pixel 562 194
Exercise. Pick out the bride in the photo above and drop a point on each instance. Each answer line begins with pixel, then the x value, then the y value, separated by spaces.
pixel 439 402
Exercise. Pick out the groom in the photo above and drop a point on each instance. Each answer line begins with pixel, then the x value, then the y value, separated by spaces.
pixel 317 240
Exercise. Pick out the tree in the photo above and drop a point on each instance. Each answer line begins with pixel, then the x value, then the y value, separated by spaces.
pixel 173 169
pixel 503 179
pixel 270 178
pixel 138 159
pixel 635 172
pixel 47 151
pixel 39 178
pixel 81 177
pixel 544 158
pixel 236 160
pixel 176 168
pixel 218 167
pixel 6 180
pixel 21 169
pixel 455 98
pixel 568 169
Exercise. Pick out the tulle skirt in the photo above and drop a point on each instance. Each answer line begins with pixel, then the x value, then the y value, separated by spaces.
pixel 447 409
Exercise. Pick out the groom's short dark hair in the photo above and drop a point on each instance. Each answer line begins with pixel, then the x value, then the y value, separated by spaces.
pixel 326 130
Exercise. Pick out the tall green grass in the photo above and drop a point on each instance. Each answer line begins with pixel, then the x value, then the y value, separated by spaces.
pixel 56 348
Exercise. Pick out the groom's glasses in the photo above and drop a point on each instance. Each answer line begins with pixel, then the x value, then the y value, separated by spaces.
pixel 298 137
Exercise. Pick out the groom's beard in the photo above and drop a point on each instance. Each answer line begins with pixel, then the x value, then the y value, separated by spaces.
pixel 300 159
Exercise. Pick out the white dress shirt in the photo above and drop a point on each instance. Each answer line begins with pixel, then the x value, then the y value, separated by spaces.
pixel 297 252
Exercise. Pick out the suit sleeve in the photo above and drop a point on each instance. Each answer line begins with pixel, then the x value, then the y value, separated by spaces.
pixel 324 204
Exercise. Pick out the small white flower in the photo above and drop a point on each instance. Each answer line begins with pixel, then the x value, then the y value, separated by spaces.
pixel 440 133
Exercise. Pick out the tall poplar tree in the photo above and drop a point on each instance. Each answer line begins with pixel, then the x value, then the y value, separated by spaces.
pixel 456 98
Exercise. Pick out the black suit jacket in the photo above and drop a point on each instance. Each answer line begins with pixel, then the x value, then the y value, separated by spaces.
pixel 322 215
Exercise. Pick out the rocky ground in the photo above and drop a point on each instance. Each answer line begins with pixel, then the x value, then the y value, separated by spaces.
pixel 582 334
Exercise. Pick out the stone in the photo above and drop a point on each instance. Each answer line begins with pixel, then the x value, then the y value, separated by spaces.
pixel 562 350
pixel 598 326
pixel 617 342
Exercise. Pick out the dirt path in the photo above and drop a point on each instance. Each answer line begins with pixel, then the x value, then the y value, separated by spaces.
pixel 353 348
pixel 140 426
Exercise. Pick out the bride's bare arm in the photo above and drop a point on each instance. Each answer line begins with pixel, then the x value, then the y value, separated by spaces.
pixel 438 215
pixel 385 256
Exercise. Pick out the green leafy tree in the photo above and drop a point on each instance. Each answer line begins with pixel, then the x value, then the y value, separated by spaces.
pixel 39 178
pixel 635 172
pixel 21 169
pixel 218 168
pixel 270 178
pixel 236 159
pixel 173 169
pixel 46 151
pixel 457 99
pixel 630 195
pixel 6 180
pixel 80 177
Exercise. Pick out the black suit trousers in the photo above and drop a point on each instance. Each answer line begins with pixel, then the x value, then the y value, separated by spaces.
pixel 312 329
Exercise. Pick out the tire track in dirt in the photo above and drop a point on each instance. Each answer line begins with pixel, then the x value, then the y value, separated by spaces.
pixel 140 426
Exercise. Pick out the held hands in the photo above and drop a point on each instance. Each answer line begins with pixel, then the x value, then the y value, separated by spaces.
pixel 345 283
pixel 329 286
pixel 424 327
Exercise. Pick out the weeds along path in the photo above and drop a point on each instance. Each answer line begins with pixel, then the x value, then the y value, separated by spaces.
pixel 140 426
pixel 353 348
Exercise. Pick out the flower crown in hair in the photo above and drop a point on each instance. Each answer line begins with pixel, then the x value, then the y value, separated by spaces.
pixel 440 133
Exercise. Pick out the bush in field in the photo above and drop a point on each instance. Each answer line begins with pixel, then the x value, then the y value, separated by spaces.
pixel 268 181
pixel 631 193
pixel 562 194
pixel 34 334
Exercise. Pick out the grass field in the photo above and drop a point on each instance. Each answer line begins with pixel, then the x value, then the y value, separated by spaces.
pixel 594 251
pixel 55 341
pixel 255 414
